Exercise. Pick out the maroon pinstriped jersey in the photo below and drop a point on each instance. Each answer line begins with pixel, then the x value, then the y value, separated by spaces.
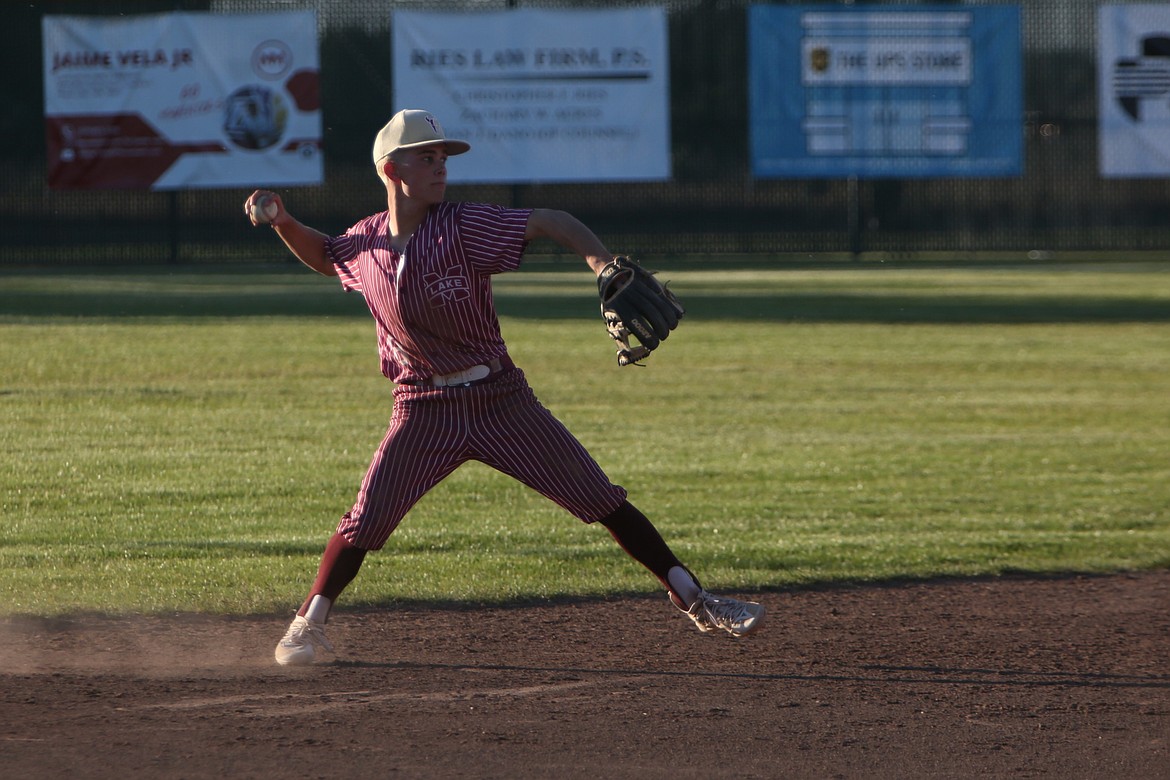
pixel 433 303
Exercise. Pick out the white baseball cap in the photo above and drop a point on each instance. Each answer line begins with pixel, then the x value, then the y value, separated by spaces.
pixel 411 128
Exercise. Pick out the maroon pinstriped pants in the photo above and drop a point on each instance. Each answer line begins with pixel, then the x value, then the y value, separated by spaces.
pixel 500 423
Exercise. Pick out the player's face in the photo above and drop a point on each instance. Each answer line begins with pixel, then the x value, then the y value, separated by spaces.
pixel 423 172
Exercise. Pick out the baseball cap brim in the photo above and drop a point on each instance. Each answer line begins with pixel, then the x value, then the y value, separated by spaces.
pixel 454 145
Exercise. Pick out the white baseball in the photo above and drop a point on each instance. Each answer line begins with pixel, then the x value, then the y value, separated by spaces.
pixel 264 210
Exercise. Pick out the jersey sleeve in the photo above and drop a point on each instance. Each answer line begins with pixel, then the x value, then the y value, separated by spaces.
pixel 343 251
pixel 343 254
pixel 493 236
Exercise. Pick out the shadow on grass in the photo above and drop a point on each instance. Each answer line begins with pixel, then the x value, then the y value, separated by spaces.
pixel 774 308
pixel 859 308
pixel 104 305
pixel 280 292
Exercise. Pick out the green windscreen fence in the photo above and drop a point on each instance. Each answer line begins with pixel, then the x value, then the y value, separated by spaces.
pixel 711 204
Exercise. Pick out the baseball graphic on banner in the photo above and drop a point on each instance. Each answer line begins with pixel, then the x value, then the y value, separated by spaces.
pixel 255 117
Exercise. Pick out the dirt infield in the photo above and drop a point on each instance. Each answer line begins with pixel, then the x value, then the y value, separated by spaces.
pixel 1013 677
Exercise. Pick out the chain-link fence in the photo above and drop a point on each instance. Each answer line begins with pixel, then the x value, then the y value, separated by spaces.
pixel 712 205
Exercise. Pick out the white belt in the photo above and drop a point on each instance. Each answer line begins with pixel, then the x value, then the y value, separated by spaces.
pixel 467 376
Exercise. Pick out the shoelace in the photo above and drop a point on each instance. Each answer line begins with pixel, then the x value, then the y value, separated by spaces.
pixel 726 613
pixel 307 632
pixel 702 618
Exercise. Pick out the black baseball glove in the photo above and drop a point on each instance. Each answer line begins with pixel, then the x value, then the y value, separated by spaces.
pixel 634 303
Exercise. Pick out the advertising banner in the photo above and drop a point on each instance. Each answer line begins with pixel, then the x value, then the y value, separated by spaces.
pixel 896 91
pixel 182 100
pixel 542 95
pixel 1133 87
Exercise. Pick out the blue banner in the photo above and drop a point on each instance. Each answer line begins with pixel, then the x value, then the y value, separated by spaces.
pixel 889 92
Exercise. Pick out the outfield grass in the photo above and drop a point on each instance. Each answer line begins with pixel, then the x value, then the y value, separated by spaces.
pixel 186 440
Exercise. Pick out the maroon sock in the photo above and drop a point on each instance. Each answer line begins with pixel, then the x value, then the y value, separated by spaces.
pixel 339 565
pixel 641 540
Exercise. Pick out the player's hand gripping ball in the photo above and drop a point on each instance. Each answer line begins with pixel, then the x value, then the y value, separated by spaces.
pixel 262 209
pixel 635 304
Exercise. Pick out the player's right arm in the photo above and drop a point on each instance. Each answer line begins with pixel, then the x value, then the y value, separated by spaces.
pixel 303 241
pixel 307 244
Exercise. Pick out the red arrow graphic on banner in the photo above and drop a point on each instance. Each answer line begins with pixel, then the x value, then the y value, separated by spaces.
pixel 110 151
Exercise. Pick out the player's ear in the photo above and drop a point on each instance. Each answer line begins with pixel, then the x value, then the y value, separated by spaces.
pixel 389 169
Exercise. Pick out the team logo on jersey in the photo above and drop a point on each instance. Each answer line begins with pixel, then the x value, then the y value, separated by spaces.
pixel 447 287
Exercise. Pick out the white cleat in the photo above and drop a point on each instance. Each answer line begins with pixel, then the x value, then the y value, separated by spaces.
pixel 738 618
pixel 302 643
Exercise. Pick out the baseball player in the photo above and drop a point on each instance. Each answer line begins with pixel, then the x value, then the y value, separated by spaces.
pixel 424 267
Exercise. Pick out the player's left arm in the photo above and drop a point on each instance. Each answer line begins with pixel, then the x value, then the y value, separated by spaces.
pixel 571 233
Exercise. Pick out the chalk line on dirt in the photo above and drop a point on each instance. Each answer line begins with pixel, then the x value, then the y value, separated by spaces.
pixel 281 704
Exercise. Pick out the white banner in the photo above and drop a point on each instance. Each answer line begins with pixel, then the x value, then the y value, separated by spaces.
pixel 542 95
pixel 1134 90
pixel 182 100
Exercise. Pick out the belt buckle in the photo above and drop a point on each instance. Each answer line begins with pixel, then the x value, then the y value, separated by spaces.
pixel 464 377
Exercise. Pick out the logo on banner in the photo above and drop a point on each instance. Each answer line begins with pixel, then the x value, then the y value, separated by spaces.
pixel 272 59
pixel 255 117
pixel 818 59
pixel 1138 81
